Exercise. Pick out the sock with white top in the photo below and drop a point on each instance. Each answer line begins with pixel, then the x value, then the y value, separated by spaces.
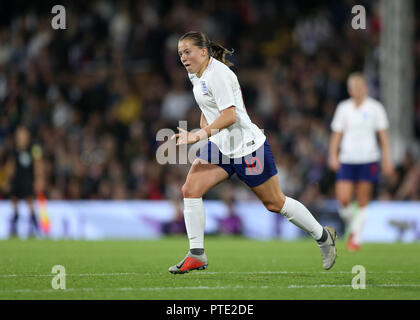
pixel 346 213
pixel 194 217
pixel 297 214
pixel 357 224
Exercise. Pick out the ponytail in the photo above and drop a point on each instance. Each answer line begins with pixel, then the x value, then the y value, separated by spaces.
pixel 219 52
pixel 215 50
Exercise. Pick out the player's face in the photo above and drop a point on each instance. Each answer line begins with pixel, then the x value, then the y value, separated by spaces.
pixel 22 138
pixel 192 57
pixel 357 88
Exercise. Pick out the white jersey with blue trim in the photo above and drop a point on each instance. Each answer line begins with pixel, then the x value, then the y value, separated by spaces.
pixel 218 89
pixel 359 126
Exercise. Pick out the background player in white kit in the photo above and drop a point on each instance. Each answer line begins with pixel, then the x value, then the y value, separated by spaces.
pixel 236 146
pixel 355 155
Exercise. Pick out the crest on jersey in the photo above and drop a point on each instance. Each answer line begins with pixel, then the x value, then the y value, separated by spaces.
pixel 204 89
pixel 365 115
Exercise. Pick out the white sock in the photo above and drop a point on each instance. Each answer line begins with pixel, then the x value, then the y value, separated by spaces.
pixel 297 214
pixel 194 217
pixel 356 227
pixel 346 213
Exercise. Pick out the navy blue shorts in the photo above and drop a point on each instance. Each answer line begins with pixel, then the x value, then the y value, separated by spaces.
pixel 253 169
pixel 359 172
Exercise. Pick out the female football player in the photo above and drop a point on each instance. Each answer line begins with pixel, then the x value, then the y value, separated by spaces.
pixel 236 145
pixel 355 124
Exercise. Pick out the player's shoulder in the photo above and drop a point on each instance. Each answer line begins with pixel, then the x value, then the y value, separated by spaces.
pixel 218 65
pixel 373 103
pixel 218 69
pixel 344 104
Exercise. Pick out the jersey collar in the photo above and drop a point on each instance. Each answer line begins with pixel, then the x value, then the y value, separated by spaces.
pixel 205 70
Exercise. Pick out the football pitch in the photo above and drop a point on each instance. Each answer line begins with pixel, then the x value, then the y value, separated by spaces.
pixel 238 269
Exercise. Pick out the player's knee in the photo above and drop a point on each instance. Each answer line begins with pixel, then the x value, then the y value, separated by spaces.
pixel 273 207
pixel 362 202
pixel 344 202
pixel 185 190
pixel 277 205
pixel 189 191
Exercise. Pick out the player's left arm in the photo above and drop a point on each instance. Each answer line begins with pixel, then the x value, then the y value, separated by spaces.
pixel 387 165
pixel 227 118
pixel 381 127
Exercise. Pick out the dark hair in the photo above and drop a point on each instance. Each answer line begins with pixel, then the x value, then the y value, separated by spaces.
pixel 215 50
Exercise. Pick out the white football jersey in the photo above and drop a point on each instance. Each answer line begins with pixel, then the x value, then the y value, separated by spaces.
pixel 359 126
pixel 218 89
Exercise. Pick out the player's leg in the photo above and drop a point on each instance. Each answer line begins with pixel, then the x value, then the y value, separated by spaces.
pixel 274 200
pixel 345 184
pixel 344 190
pixel 34 220
pixel 363 195
pixel 201 177
pixel 364 191
pixel 15 217
pixel 367 175
pixel 259 172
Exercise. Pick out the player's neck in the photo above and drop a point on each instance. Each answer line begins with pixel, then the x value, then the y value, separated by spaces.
pixel 203 68
pixel 358 102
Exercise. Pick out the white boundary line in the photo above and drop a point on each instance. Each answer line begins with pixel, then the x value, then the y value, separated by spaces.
pixel 71 275
pixel 198 273
pixel 304 272
pixel 350 286
pixel 135 289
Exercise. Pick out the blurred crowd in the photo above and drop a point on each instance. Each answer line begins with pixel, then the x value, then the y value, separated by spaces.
pixel 95 94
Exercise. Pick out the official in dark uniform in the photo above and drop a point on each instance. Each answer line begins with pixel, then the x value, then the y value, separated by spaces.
pixel 27 170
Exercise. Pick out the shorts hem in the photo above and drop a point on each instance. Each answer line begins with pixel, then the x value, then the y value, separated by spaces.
pixel 259 182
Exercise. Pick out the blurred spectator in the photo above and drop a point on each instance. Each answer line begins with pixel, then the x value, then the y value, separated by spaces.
pixel 27 177
pixel 95 94
pixel 178 101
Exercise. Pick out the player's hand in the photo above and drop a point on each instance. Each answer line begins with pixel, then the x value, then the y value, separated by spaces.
pixel 334 163
pixel 185 137
pixel 388 168
pixel 39 186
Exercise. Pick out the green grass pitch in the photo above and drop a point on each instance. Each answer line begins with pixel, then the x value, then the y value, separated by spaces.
pixel 238 269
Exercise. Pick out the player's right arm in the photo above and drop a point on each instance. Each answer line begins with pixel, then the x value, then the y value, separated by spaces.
pixel 337 126
pixel 333 160
pixel 203 121
pixel 382 125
